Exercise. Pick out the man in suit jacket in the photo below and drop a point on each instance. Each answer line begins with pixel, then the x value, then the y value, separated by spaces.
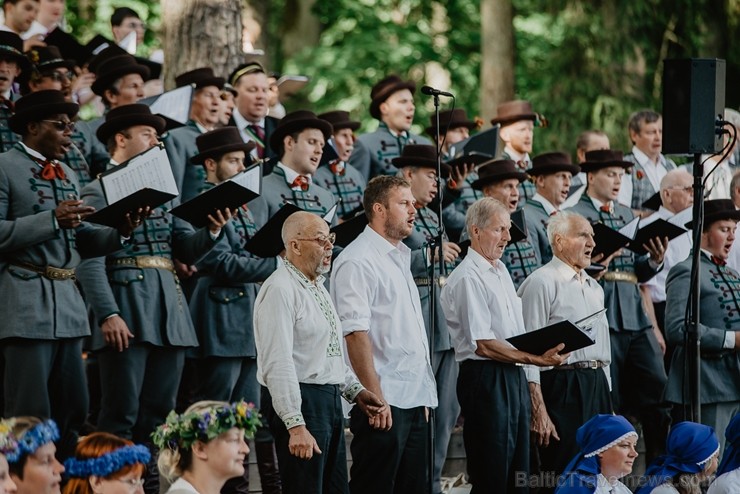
pixel 638 376
pixel 719 317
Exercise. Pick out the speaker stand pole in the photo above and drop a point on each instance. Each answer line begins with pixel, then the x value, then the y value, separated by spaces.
pixel 693 342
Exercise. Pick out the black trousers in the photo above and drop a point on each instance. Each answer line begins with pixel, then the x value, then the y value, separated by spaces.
pixel 324 473
pixel 46 379
pixel 394 461
pixel 495 402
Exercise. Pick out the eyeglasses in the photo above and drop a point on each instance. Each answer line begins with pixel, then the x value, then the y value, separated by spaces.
pixel 61 125
pixel 133 484
pixel 688 188
pixel 323 240
pixel 57 76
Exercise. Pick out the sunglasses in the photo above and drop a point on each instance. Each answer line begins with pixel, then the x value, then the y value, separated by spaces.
pixel 61 125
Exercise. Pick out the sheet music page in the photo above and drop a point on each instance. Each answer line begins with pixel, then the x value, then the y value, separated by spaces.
pixel 174 104
pixel 249 179
pixel 150 169
pixel 586 324
pixel 630 229
pixel 329 216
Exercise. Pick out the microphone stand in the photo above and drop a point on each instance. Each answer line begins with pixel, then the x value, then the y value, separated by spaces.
pixel 693 343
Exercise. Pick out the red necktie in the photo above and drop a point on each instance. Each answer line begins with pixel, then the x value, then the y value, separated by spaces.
pixel 337 168
pixel 51 170
pixel 607 208
pixel 522 164
pixel 259 133
pixel 300 181
pixel 554 213
pixel 8 104
pixel 719 262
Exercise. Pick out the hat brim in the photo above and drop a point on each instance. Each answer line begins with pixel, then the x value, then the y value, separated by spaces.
pixel 482 182
pixel 67 64
pixel 110 127
pixel 36 113
pixel 594 166
pixel 221 150
pixel 514 118
pixel 469 124
pixel 23 62
pixel 469 159
pixel 554 168
pixel 349 124
pixel 401 162
pixel 380 98
pixel 718 216
pixel 102 83
pixel 211 81
pixel 281 131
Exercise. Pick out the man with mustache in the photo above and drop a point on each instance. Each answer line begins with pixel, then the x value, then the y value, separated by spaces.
pixel 565 397
pixel 300 361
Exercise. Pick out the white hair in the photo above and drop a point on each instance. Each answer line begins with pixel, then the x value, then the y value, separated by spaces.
pixel 560 224
pixel 481 212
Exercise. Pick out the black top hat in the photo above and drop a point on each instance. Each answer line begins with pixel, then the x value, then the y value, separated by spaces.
pixel 115 67
pixel 201 77
pixel 513 111
pixel 11 47
pixel 244 69
pixel 296 121
pixel 451 119
pixel 548 163
pixel 218 142
pixel 339 120
pixel 496 171
pixel 37 106
pixel 383 89
pixel 127 116
pixel 604 158
pixel 717 210
pixel 421 156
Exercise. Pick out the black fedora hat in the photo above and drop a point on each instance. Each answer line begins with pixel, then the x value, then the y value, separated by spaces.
pixel 296 121
pixel 547 163
pixel 339 120
pixel 126 116
pixel 11 47
pixel 420 156
pixel 513 111
pixel 43 58
pixel 451 119
pixel 115 67
pixel 604 158
pixel 218 142
pixel 497 170
pixel 201 77
pixel 37 106
pixel 717 210
pixel 252 67
pixel 383 89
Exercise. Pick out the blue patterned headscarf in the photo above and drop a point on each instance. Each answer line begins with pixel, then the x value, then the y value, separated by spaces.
pixel 731 456
pixel 688 449
pixel 600 433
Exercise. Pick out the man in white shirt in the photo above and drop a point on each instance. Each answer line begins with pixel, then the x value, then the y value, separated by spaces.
pixel 492 386
pixel 299 360
pixel 379 307
pixel 565 397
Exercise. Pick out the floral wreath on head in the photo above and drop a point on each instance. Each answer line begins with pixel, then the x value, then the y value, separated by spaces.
pixel 8 442
pixel 33 439
pixel 109 463
pixel 180 431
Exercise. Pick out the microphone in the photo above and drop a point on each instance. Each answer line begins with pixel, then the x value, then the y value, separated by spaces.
pixel 430 91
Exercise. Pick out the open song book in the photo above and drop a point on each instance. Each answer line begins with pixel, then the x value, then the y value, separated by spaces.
pixel 575 335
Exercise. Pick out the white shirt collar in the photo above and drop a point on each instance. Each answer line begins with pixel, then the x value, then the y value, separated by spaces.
pixel 643 158
pixel 290 174
pixel 484 264
pixel 33 152
pixel 549 208
pixel 565 270
pixel 517 156
pixel 382 244
pixel 597 203
pixel 241 122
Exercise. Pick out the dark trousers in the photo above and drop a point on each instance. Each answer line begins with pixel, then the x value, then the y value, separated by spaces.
pixel 139 388
pixel 446 370
pixel 394 461
pixel 571 398
pixel 659 309
pixel 324 473
pixel 46 379
pixel 495 402
pixel 638 383
pixel 228 379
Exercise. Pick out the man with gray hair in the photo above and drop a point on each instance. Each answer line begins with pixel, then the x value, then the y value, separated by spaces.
pixel 492 385
pixel 562 290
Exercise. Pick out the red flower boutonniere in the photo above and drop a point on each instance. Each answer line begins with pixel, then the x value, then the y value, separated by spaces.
pixel 639 174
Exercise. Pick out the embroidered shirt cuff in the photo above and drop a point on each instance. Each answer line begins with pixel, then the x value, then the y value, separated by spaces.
pixel 351 392
pixel 293 421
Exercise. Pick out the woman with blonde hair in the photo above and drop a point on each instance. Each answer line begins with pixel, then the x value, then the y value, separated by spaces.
pixel 106 464
pixel 205 446
pixel 34 467
pixel 8 446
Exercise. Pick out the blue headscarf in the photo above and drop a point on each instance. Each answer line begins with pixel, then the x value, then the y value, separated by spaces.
pixel 688 448
pixel 731 456
pixel 600 433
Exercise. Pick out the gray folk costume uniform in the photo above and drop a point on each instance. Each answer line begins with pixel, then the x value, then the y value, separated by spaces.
pixel 346 183
pixel 180 146
pixel 95 153
pixel 537 220
pixel 642 189
pixel 139 385
pixel 44 319
pixel 374 151
pixel 277 193
pixel 527 189
pixel 8 138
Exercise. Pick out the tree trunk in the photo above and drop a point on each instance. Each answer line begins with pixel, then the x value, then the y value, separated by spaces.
pixel 201 33
pixel 301 27
pixel 497 55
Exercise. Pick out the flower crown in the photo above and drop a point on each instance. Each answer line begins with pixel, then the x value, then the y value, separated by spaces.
pixel 8 442
pixel 181 431
pixel 109 463
pixel 33 439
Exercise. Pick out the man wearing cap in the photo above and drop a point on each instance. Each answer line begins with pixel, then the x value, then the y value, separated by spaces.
pixel 204 114
pixel 383 326
pixel 42 239
pixel 250 115
pixel 517 121
pixel 393 105
pixel 719 317
pixel 143 323
pixel 299 141
pixel 552 173
pixel 482 310
pixel 565 397
pixel 588 140
pixel 418 165
pixel 12 64
pixel 337 175
pixel 500 179
pixel 638 376
pixel 226 105
pixel 649 165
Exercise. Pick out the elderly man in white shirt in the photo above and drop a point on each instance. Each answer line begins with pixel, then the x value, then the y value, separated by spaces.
pixel 378 304
pixel 565 397
pixel 492 386
pixel 300 361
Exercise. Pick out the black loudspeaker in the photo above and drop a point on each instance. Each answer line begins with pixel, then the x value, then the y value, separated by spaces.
pixel 693 97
